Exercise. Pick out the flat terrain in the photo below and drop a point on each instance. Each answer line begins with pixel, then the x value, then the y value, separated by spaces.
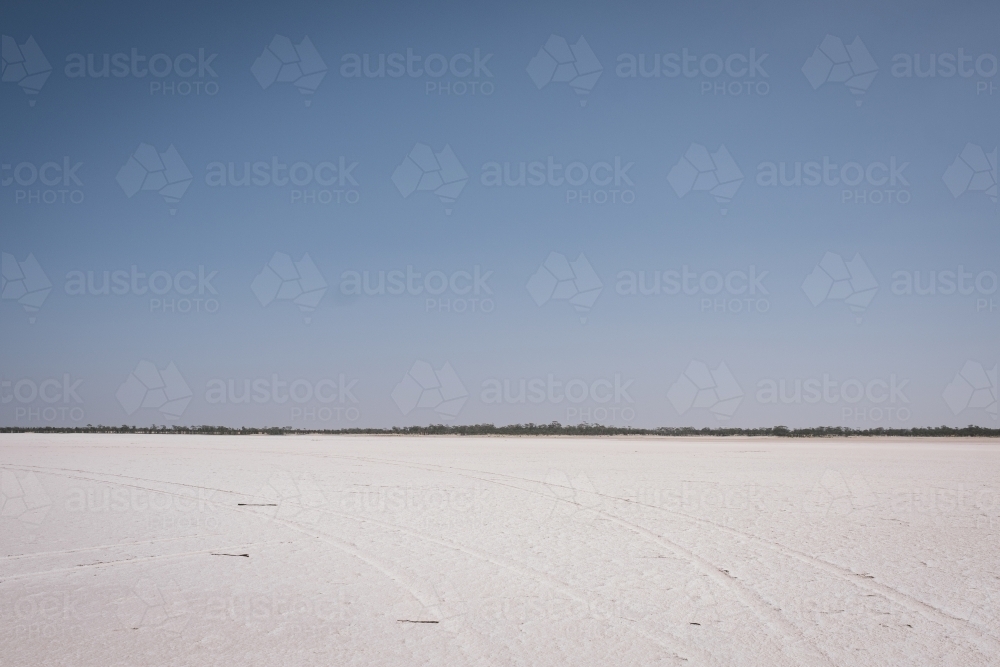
pixel 332 551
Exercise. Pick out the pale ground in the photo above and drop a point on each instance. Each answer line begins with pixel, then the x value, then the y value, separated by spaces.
pixel 497 551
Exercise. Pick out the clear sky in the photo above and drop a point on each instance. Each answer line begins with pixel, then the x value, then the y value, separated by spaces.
pixel 359 124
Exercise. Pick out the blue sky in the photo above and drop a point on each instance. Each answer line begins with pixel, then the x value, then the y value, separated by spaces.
pixel 917 208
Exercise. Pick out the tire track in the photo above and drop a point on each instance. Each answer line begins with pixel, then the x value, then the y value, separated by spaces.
pixel 985 641
pixel 677 648
pixel 43 554
pixel 339 544
pixel 902 598
pixel 426 600
pixel 793 642
pixel 129 561
pixel 789 639
pixel 430 602
pixel 989 644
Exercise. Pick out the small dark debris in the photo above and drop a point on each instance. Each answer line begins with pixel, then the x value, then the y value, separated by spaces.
pixel 257 504
pixel 237 555
pixel 406 620
pixel 695 624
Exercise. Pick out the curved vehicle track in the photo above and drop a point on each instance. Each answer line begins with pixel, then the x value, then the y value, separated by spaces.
pixel 755 586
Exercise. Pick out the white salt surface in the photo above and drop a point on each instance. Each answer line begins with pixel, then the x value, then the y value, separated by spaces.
pixel 127 550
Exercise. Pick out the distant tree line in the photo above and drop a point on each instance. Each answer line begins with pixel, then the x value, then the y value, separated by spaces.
pixel 553 428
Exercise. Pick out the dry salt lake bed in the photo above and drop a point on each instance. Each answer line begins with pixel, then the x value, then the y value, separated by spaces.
pixel 309 550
